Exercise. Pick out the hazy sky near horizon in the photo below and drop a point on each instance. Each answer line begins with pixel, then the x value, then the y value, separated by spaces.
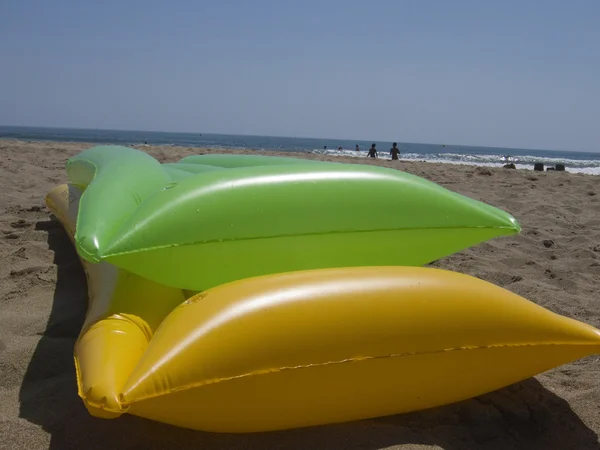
pixel 512 73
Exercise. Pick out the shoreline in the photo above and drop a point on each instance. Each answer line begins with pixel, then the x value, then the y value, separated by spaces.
pixel 308 154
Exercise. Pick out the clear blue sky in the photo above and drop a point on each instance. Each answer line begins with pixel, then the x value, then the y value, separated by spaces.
pixel 500 73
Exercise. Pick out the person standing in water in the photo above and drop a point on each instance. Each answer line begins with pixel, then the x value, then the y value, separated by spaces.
pixel 395 151
pixel 357 148
pixel 372 151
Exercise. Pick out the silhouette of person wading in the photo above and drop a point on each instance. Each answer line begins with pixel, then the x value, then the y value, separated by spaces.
pixel 395 151
pixel 372 152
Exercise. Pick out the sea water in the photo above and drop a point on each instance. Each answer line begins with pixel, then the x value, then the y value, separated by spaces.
pixel 577 162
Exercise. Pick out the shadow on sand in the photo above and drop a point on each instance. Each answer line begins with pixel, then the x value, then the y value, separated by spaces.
pixel 523 416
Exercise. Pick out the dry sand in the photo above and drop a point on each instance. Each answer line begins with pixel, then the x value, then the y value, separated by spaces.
pixel 555 262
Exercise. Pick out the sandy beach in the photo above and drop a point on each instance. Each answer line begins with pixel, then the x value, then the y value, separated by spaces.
pixel 554 262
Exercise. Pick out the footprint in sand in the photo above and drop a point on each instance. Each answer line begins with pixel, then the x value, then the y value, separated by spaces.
pixel 18 224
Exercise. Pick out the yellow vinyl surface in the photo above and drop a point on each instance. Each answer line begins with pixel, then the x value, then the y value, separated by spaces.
pixel 307 348
pixel 124 310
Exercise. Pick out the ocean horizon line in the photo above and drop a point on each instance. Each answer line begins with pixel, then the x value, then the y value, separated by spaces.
pixel 273 136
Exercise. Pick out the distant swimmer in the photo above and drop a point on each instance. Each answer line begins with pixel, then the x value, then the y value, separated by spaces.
pixel 372 151
pixel 357 148
pixel 394 151
pixel 340 148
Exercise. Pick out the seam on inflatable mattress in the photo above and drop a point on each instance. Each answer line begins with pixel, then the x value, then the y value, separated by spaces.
pixel 126 404
pixel 213 241
pixel 79 378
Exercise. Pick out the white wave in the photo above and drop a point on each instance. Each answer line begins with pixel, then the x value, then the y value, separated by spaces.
pixel 525 159
pixel 589 167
